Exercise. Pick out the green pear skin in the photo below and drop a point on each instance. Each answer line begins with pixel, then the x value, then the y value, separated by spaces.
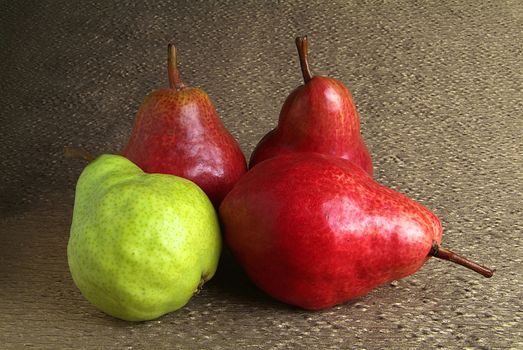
pixel 140 244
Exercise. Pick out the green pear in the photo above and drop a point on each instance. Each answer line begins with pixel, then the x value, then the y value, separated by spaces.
pixel 141 244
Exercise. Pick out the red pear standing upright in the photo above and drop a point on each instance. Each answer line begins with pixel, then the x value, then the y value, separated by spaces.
pixel 178 131
pixel 319 116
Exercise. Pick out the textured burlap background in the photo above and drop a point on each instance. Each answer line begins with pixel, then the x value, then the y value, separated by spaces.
pixel 438 87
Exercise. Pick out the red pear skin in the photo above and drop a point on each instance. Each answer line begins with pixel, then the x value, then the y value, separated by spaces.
pixel 314 230
pixel 178 131
pixel 319 116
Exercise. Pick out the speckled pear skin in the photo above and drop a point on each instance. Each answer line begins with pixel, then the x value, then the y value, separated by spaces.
pixel 319 116
pixel 140 244
pixel 314 230
pixel 179 132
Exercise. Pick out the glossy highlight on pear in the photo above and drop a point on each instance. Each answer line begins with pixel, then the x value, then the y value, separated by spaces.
pixel 314 230
pixel 318 116
pixel 177 131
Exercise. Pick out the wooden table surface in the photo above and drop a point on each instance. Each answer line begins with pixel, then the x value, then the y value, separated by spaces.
pixel 438 87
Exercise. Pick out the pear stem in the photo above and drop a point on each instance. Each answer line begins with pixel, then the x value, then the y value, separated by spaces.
pixel 303 51
pixel 175 81
pixel 445 254
pixel 78 153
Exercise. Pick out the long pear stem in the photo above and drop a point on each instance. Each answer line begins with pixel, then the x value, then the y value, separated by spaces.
pixel 78 153
pixel 175 81
pixel 445 254
pixel 303 51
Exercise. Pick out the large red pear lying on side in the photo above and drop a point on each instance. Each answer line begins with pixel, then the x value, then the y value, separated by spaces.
pixel 319 116
pixel 178 131
pixel 314 230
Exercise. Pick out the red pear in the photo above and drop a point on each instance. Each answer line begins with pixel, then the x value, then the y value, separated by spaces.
pixel 319 116
pixel 314 230
pixel 178 131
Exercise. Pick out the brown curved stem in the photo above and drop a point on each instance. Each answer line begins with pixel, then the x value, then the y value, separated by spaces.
pixel 78 153
pixel 175 81
pixel 445 254
pixel 303 51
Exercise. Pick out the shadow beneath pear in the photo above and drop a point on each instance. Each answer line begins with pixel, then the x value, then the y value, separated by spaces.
pixel 231 280
pixel 231 283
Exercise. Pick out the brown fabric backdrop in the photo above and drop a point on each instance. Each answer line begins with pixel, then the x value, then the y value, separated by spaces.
pixel 438 87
